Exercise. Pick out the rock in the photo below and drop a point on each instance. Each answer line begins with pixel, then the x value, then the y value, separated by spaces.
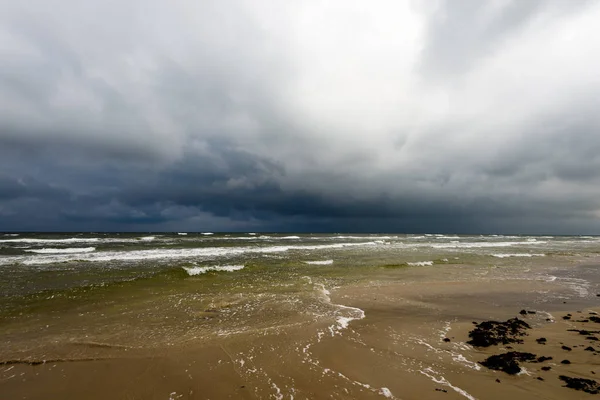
pixel 565 362
pixel 566 317
pixel 539 378
pixel 446 340
pixel 595 319
pixel 586 385
pixel 489 333
pixel 541 340
pixel 546 368
pixel 589 348
pixel 567 348
pixel 497 380
pixel 594 338
pixel 543 358
pixel 441 390
pixel 525 312
pixel 507 362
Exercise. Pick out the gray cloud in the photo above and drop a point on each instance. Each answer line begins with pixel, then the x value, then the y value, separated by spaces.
pixel 400 116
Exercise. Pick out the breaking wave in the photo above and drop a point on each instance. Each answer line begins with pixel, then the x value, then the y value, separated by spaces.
pixel 192 271
pixel 323 262
pixel 70 250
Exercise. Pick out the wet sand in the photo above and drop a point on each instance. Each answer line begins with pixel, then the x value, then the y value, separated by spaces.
pixel 374 338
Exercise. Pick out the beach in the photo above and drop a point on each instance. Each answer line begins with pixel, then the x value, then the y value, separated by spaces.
pixel 290 316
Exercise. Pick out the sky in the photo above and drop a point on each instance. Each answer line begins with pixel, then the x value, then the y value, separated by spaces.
pixel 443 116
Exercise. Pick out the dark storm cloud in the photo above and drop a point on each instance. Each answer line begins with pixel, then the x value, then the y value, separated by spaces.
pixel 467 116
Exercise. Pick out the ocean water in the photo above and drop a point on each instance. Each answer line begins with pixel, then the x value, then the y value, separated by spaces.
pixel 167 277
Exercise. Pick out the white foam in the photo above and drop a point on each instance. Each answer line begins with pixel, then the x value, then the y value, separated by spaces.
pixel 420 263
pixel 469 245
pixel 202 270
pixel 290 237
pixel 148 238
pixel 430 373
pixel 36 240
pixel 182 233
pixel 507 255
pixel 251 233
pixel 386 393
pixel 69 250
pixel 207 233
pixel 323 262
pixel 169 254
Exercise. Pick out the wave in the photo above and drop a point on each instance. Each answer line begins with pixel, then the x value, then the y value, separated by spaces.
pixel 323 262
pixel 164 254
pixel 148 238
pixel 469 245
pixel 207 233
pixel 420 263
pixel 290 237
pixel 69 250
pixel 182 233
pixel 518 255
pixel 192 271
pixel 37 240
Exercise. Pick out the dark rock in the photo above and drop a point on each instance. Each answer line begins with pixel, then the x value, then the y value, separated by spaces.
pixel 507 362
pixel 566 317
pixel 586 385
pixel 589 348
pixel 593 372
pixel 546 368
pixel 595 319
pixel 583 320
pixel 539 378
pixel 530 312
pixel 543 358
pixel 594 338
pixel 523 312
pixel 548 319
pixel 565 362
pixel 541 340
pixel 489 333
pixel 567 348
pixel 441 390
pixel 446 340
pixel 497 380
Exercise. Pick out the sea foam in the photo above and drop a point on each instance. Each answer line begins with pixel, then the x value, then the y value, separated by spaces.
pixel 420 263
pixel 202 270
pixel 69 250
pixel 506 255
pixel 323 262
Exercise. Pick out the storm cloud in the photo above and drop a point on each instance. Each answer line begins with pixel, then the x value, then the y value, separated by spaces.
pixel 403 116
